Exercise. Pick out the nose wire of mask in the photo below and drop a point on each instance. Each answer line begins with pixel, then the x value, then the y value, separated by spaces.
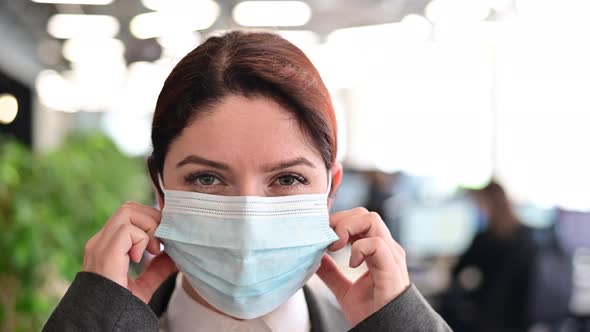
pixel 245 255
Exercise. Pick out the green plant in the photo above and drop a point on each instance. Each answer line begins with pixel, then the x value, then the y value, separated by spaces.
pixel 50 205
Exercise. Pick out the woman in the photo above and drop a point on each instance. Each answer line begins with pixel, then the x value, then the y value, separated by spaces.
pixel 243 166
pixel 502 256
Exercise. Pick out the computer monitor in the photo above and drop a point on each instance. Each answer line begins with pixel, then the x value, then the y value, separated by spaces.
pixel 573 230
pixel 443 229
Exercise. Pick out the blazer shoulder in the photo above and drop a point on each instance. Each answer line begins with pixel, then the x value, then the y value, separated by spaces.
pixel 95 303
pixel 408 312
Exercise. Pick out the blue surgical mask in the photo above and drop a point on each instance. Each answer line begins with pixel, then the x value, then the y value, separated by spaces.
pixel 245 255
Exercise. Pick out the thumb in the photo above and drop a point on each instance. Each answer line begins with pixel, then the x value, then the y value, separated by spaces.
pixel 333 277
pixel 159 269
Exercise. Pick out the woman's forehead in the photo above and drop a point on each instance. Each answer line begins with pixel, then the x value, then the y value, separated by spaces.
pixel 242 130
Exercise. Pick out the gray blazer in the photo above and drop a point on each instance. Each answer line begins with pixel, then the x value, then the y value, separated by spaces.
pixel 95 303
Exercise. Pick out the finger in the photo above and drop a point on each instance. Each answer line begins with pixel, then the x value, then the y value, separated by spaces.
pixel 376 253
pixel 139 216
pixel 381 264
pixel 387 277
pixel 129 239
pixel 146 215
pixel 400 258
pixel 337 216
pixel 159 269
pixel 149 226
pixel 366 225
pixel 145 209
pixel 331 275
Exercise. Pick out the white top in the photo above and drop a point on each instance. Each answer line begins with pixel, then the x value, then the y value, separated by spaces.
pixel 185 314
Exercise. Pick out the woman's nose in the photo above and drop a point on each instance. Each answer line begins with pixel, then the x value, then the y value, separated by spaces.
pixel 250 188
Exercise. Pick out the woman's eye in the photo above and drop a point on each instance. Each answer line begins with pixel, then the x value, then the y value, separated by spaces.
pixel 289 180
pixel 202 179
pixel 207 180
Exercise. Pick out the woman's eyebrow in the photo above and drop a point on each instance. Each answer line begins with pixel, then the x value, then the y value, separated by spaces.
pixel 193 159
pixel 288 163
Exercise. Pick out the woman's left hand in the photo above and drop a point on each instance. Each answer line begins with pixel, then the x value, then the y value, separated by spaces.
pixel 387 275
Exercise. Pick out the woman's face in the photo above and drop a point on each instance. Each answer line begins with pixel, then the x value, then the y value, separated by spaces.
pixel 246 147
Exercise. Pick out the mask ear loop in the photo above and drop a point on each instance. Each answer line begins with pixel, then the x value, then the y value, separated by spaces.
pixel 160 182
pixel 329 183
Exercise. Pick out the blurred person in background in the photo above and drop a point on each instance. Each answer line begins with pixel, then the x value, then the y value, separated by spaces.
pixel 243 167
pixel 381 188
pixel 490 288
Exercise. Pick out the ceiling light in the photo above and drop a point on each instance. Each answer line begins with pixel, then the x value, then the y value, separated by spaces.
pixel 457 11
pixel 77 2
pixel 201 15
pixel 8 108
pixel 84 49
pixel 55 91
pixel 180 5
pixel 74 25
pixel 97 84
pixel 179 44
pixel 272 13
pixel 502 5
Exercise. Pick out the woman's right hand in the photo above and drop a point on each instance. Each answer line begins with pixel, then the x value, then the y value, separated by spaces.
pixel 126 235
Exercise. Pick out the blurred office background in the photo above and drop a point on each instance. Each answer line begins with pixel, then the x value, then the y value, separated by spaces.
pixel 435 98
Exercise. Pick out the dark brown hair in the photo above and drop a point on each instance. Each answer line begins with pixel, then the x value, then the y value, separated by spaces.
pixel 248 64
pixel 502 221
